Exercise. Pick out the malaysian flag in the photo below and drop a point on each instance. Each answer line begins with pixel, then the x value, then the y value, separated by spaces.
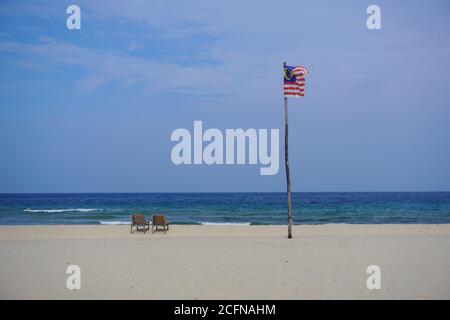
pixel 294 81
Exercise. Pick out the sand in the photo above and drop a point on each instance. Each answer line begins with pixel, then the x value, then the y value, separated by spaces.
pixel 226 262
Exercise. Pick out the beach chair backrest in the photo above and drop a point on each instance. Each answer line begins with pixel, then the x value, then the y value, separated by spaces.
pixel 138 219
pixel 159 219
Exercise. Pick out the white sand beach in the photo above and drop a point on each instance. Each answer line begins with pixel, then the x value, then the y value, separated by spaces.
pixel 226 262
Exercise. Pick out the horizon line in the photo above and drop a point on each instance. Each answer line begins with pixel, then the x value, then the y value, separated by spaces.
pixel 209 192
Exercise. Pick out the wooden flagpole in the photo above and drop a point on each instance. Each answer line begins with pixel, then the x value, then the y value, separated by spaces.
pixel 286 162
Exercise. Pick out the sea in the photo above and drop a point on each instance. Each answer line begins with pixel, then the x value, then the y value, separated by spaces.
pixel 227 208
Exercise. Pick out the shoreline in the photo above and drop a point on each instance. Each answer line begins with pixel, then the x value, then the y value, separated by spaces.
pixel 73 231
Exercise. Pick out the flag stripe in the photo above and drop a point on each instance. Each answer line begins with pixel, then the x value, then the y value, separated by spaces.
pixel 294 94
pixel 294 89
pixel 295 85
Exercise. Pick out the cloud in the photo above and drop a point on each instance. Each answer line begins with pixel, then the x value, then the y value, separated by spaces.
pixel 102 67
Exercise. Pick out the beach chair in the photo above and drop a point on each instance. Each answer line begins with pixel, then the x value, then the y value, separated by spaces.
pixel 159 220
pixel 138 220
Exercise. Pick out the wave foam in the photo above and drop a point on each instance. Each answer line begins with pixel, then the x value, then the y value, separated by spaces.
pixel 225 223
pixel 114 222
pixel 60 210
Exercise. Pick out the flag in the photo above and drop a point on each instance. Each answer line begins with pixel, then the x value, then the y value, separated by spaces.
pixel 294 81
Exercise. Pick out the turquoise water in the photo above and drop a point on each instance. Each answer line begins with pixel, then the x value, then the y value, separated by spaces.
pixel 227 208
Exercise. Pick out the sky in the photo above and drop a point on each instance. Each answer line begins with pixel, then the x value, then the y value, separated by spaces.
pixel 92 110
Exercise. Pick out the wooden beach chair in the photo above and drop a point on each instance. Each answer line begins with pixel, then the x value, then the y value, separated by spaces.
pixel 138 220
pixel 159 220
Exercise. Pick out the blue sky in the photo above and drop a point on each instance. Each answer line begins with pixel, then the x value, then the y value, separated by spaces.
pixel 92 110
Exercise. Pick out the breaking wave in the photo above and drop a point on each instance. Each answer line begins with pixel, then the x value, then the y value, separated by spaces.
pixel 114 222
pixel 60 210
pixel 225 223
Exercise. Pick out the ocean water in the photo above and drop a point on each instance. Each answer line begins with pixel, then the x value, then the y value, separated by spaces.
pixel 227 208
